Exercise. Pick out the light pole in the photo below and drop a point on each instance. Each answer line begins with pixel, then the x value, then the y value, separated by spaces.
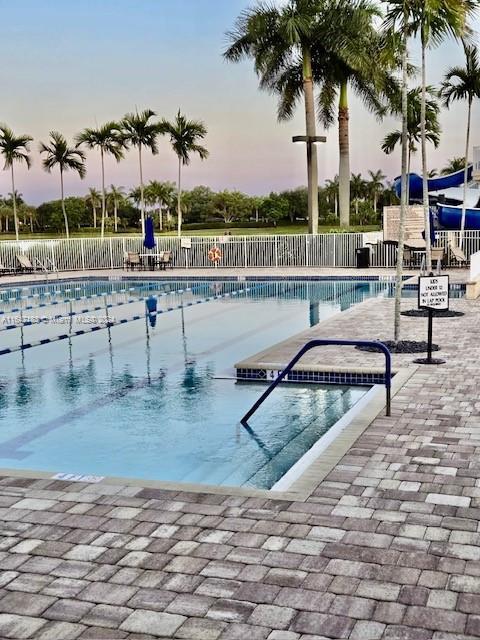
pixel 310 141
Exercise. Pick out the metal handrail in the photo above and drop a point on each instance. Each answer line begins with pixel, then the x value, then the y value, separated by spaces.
pixel 42 266
pixel 320 343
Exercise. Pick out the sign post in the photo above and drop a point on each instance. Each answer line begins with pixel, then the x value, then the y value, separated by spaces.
pixel 433 295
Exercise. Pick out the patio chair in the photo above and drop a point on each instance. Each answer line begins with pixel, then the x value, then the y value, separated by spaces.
pixel 438 254
pixel 457 256
pixel 133 260
pixel 166 258
pixel 25 265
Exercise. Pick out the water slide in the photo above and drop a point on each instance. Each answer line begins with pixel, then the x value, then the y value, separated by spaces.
pixel 446 194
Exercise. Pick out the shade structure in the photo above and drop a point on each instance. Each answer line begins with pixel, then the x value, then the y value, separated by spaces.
pixel 149 240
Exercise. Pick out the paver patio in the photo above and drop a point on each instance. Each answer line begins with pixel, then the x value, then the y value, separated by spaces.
pixel 386 546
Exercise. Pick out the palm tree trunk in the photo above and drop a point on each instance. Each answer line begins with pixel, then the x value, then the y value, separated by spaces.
pixel 63 204
pixel 344 155
pixel 409 165
pixel 160 215
pixel 94 217
pixel 115 215
pixel 179 198
pixel 426 207
pixel 465 175
pixel 403 201
pixel 142 199
pixel 375 201
pixel 312 167
pixel 103 195
pixel 14 200
pixel 31 223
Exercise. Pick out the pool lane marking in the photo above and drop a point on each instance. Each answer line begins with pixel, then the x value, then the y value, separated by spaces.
pixel 96 295
pixel 46 294
pixel 88 310
pixel 108 325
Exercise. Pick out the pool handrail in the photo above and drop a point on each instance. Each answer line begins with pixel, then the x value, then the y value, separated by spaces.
pixel 312 344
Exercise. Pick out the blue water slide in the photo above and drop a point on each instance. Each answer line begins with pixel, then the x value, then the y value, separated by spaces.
pixel 450 217
pixel 434 184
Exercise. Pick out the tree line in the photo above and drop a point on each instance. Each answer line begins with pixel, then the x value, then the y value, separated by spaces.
pixel 139 131
pixel 200 205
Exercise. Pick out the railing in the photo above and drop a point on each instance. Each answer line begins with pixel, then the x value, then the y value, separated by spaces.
pixel 281 251
pixel 379 346
pixel 47 266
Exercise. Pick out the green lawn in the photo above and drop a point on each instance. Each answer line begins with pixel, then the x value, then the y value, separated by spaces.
pixel 279 230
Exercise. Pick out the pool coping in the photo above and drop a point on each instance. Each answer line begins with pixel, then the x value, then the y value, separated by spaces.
pixel 349 428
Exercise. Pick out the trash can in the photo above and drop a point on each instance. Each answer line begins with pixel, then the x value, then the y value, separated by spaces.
pixel 363 257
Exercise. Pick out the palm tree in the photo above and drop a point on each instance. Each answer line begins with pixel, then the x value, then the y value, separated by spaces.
pixel 95 201
pixel 184 136
pixel 396 31
pixel 14 149
pixel 58 153
pixel 331 191
pixel 161 194
pixel 117 195
pixel 140 132
pixel 109 140
pixel 453 165
pixel 275 36
pixel 375 185
pixel 343 44
pixel 414 125
pixel 463 83
pixel 432 20
pixel 358 189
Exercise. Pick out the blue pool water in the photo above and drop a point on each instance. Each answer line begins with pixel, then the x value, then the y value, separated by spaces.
pixel 159 402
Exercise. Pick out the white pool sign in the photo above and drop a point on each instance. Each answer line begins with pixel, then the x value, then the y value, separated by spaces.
pixel 433 292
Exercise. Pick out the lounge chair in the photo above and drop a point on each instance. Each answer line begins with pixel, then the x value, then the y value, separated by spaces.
pixel 457 256
pixel 25 265
pixel 166 258
pixel 132 260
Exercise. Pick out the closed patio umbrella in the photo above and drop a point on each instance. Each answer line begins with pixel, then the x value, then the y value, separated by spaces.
pixel 149 240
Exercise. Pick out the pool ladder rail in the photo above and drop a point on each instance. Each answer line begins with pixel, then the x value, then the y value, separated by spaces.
pixel 312 344
pixel 43 267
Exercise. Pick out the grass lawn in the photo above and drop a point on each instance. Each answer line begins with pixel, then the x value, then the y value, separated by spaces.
pixel 279 230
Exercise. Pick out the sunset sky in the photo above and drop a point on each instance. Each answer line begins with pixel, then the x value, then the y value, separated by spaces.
pixel 66 65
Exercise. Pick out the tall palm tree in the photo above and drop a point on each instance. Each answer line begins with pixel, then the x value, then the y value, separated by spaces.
pixel 108 138
pixel 396 31
pixel 414 130
pixel 463 83
pixel 58 153
pixel 94 199
pixel 343 44
pixel 375 185
pixel 117 195
pixel 275 36
pixel 140 132
pixel 14 149
pixel 184 137
pixel 433 21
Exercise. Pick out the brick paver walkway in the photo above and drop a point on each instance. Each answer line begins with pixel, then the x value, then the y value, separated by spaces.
pixel 387 546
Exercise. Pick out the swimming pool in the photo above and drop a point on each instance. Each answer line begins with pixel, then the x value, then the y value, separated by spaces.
pixel 153 396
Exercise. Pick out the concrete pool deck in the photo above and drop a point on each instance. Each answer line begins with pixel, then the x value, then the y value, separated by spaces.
pixel 387 545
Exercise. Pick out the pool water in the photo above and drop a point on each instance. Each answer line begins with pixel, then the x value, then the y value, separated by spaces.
pixel 155 398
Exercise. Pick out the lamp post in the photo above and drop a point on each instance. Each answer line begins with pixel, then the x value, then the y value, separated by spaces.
pixel 310 141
